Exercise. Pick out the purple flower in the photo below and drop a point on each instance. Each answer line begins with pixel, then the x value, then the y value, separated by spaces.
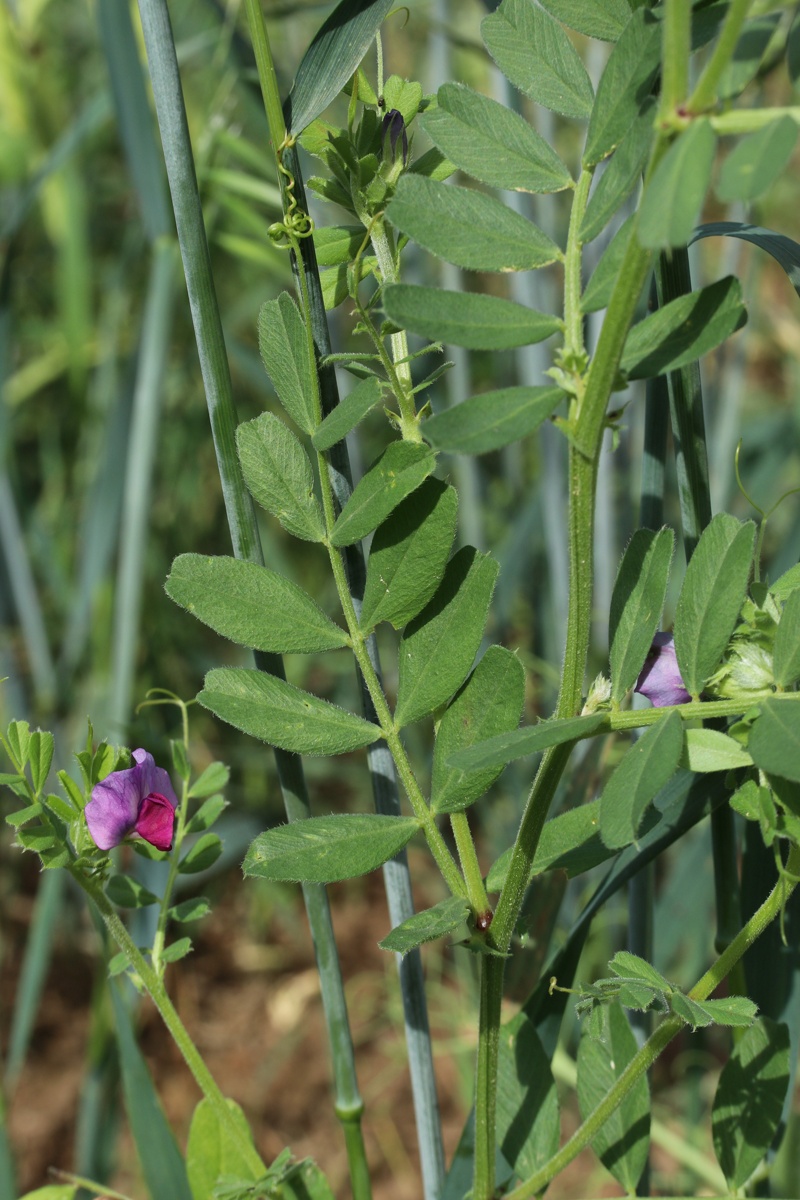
pixel 140 800
pixel 394 126
pixel 660 679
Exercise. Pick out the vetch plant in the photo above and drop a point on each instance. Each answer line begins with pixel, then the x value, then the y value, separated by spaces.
pixel 720 740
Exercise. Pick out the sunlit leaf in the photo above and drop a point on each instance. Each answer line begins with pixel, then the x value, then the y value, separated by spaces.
pixel 535 53
pixel 489 703
pixel 251 605
pixel 468 228
pixel 408 555
pixel 492 143
pixel 282 715
pixel 324 849
pixel 492 419
pixel 399 471
pixel 439 646
pixel 468 319
pixel 711 597
pixel 278 474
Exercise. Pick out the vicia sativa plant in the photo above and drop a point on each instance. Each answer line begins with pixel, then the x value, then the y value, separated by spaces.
pixel 700 708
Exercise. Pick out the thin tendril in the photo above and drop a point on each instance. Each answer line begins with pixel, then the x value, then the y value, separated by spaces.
pixel 296 223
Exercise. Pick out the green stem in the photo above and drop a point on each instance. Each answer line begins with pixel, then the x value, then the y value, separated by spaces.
pixel 675 56
pixel 387 265
pixel 469 863
pixel 586 436
pixel 573 314
pixel 154 987
pixel 422 812
pixel 166 899
pixel 704 95
pixel 657 1042
pixel 492 971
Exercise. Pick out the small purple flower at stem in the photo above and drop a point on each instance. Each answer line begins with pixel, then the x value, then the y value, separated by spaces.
pixel 394 125
pixel 660 679
pixel 140 800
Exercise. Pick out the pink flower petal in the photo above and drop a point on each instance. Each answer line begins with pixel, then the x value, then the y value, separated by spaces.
pixel 156 821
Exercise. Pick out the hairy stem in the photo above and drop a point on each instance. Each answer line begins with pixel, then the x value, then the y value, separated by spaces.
pixel 705 94
pixel 155 989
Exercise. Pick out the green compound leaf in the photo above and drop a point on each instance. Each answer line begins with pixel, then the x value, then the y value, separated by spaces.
pixel 212 1152
pixel 326 849
pixel 684 329
pixel 409 554
pixel 427 926
pixel 621 176
pixel 534 52
pixel 748 55
pixel 647 766
pixel 711 598
pixel 252 605
pixel 636 604
pixel 625 86
pixel 347 414
pixel 749 1100
pixel 708 750
pixel 601 282
pixel 202 855
pixel 674 196
pixel 282 715
pixel 756 162
pixel 774 742
pixel 528 1125
pixel 439 646
pixel 337 244
pixel 399 471
pixel 492 143
pixel 491 420
pixel 623 1141
pixel 489 703
pixel 786 657
pixel 278 475
pixel 467 227
pixel 284 353
pixel 506 747
pixel 332 58
pixel 126 892
pixel 601 19
pixel 474 321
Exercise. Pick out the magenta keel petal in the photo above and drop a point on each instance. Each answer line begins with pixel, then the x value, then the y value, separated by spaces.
pixel 156 821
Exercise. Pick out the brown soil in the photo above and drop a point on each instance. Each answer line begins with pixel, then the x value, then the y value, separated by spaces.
pixel 250 999
pixel 254 1011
